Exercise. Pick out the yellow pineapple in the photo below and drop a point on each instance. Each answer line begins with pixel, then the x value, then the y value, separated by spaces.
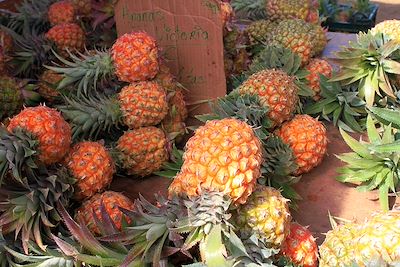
pixel 112 201
pixel 277 92
pixel 223 155
pixel 92 167
pixel 308 140
pixel 390 28
pixel 288 9
pixel 142 151
pixel 266 214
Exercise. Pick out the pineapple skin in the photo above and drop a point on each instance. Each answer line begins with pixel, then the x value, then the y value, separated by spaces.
pixel 47 85
pixel 388 27
pixel 142 151
pixel 112 201
pixel 277 91
pixel 143 104
pixel 135 57
pixel 224 156
pixel 92 167
pixel 266 214
pixel 307 138
pixel 67 36
pixel 288 9
pixel 50 129
pixel 316 67
pixel 61 12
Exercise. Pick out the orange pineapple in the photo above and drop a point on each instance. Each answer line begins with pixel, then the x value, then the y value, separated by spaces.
pixel 165 78
pixel 67 36
pixel 316 67
pixel 135 57
pixel 276 90
pixel 83 7
pixel 307 138
pixel 92 166
pixel 49 128
pixel 300 246
pixel 142 151
pixel 48 85
pixel 61 12
pixel 227 12
pixel 143 104
pixel 112 201
pixel 223 155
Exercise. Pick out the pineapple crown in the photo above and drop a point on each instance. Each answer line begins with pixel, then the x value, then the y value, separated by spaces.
pixel 84 71
pixel 340 105
pixel 30 212
pixel 249 9
pixel 368 63
pixel 373 165
pixel 91 116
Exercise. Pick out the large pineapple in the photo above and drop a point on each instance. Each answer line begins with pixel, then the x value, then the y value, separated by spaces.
pixel 92 167
pixel 288 9
pixel 307 138
pixel 67 36
pixel 379 239
pixel 112 202
pixel 277 92
pixel 266 214
pixel 48 127
pixel 338 248
pixel 137 105
pixel 142 151
pixel 388 27
pixel 61 12
pixel 132 58
pixel 223 155
pixel 300 246
pixel 296 35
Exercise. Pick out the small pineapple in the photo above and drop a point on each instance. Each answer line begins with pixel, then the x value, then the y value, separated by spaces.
pixel 307 138
pixel 112 201
pixel 316 67
pixel 49 128
pixel 61 12
pixel 277 92
pixel 82 7
pixel 300 246
pixel 338 248
pixel 142 151
pixel 165 78
pixel 92 167
pixel 47 86
pixel 174 122
pixel 266 214
pixel 288 9
pixel 67 36
pixel 223 155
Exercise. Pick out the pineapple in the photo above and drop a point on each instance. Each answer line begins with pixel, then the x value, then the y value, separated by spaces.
pixel 296 35
pixel 266 214
pixel 47 86
pixel 174 122
pixel 61 12
pixel 165 78
pixel 320 39
pixel 67 36
pixel 317 67
pixel 30 212
pixel 379 239
pixel 50 129
pixel 142 151
pixel 300 246
pixel 259 30
pixel 92 167
pixel 137 105
pixel 307 138
pixel 338 248
pixel 83 7
pixel 288 9
pixel 132 58
pixel 112 202
pixel 277 92
pixel 388 27
pixel 223 155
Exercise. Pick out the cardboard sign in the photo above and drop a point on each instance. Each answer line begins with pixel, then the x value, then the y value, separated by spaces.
pixel 190 35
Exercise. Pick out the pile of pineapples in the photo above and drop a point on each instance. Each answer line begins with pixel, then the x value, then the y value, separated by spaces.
pixel 81 107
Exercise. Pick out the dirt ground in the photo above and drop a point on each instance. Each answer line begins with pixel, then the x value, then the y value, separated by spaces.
pixel 388 9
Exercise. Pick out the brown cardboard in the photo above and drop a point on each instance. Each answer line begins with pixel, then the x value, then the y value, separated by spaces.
pixel 190 34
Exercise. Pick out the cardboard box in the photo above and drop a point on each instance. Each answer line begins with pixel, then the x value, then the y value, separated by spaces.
pixel 190 35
